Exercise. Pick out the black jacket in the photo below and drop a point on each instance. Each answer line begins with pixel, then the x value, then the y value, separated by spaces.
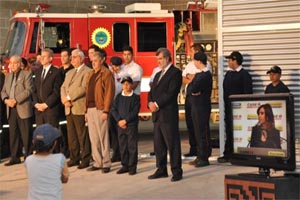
pixel 273 138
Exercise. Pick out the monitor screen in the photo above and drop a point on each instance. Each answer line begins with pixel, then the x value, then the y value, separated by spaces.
pixel 263 130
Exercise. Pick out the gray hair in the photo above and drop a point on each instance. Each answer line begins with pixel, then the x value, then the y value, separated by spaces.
pixel 79 52
pixel 50 52
pixel 165 52
pixel 99 54
pixel 17 57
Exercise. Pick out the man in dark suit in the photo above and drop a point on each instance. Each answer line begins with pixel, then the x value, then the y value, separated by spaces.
pixel 46 95
pixel 16 94
pixel 162 101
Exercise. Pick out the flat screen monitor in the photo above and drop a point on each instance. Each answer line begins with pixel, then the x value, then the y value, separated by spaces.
pixel 263 131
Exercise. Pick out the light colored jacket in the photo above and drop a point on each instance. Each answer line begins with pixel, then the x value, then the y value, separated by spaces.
pixel 74 86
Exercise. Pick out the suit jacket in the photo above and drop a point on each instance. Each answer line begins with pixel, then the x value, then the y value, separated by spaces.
pixel 48 90
pixel 23 91
pixel 165 93
pixel 273 138
pixel 74 86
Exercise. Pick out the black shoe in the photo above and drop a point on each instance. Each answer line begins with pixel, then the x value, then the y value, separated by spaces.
pixel 83 165
pixel 159 174
pixel 71 163
pixel 190 154
pixel 115 159
pixel 202 163
pixel 132 172
pixel 13 162
pixel 123 170
pixel 105 170
pixel 193 162
pixel 92 168
pixel 176 178
pixel 223 159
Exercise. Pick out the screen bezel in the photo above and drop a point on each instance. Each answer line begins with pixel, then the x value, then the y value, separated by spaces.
pixel 272 162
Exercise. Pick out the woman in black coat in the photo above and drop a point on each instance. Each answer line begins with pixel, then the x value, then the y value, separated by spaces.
pixel 264 134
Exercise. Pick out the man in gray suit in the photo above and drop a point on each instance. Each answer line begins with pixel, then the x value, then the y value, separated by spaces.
pixel 73 92
pixel 16 94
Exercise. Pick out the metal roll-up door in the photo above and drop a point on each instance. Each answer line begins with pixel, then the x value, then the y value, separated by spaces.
pixel 267 33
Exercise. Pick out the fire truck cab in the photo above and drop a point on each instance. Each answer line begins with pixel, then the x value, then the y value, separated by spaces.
pixel 145 32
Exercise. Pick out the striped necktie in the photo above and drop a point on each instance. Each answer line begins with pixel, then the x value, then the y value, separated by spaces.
pixel 161 75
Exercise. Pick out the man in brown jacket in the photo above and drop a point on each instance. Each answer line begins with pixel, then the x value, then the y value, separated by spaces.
pixel 99 95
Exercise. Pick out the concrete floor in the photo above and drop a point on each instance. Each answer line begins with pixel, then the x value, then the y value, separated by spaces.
pixel 197 183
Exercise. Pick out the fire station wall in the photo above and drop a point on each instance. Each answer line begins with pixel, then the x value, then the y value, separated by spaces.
pixel 9 7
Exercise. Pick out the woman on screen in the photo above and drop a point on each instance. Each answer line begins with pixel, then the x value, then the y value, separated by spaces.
pixel 264 134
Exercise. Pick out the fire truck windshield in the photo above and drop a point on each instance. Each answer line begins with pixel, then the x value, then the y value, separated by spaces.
pixel 15 40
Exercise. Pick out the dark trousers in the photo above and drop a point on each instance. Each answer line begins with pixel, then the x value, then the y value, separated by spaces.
pixel 202 132
pixel 53 119
pixel 128 139
pixel 228 128
pixel 46 117
pixel 64 146
pixel 113 136
pixel 78 138
pixel 20 132
pixel 166 137
pixel 189 124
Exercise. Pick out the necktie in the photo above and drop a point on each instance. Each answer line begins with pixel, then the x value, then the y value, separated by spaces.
pixel 12 89
pixel 43 74
pixel 161 75
pixel 73 76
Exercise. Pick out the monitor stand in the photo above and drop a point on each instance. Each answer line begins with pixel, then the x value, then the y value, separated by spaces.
pixel 262 173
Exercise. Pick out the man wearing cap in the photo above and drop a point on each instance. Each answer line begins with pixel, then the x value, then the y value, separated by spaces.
pixel 199 91
pixel 125 110
pixel 16 94
pixel 277 86
pixel 116 67
pixel 73 94
pixel 187 76
pixel 236 81
pixel 162 102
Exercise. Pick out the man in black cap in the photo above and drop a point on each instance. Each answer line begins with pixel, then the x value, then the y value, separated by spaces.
pixel 199 91
pixel 116 63
pixel 236 81
pixel 277 86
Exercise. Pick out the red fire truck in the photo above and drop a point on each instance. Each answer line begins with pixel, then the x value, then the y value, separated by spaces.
pixel 145 27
